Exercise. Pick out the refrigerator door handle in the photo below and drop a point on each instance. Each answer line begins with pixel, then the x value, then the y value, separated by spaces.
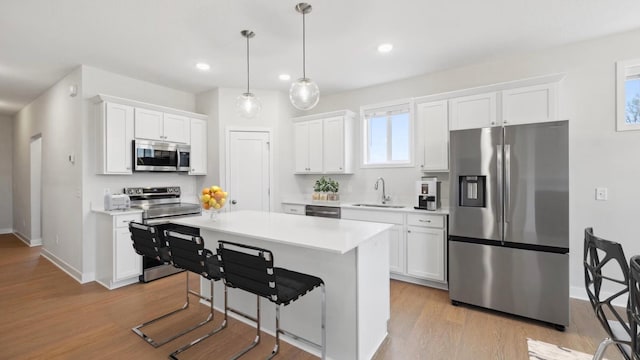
pixel 507 182
pixel 499 187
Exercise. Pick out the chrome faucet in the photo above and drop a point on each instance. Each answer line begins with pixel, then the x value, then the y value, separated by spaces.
pixel 385 197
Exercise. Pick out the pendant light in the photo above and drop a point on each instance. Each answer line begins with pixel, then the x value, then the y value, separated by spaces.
pixel 248 104
pixel 304 93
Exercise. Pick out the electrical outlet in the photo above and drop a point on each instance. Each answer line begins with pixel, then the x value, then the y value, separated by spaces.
pixel 601 193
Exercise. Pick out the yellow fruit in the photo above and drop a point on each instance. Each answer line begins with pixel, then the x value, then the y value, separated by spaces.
pixel 225 194
pixel 206 198
pixel 205 191
pixel 215 188
pixel 216 206
pixel 222 201
pixel 212 202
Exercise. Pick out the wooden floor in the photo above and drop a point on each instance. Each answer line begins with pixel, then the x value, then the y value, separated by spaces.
pixel 45 314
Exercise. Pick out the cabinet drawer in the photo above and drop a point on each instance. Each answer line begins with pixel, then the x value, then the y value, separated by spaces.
pixel 373 216
pixel 295 209
pixel 428 220
pixel 124 220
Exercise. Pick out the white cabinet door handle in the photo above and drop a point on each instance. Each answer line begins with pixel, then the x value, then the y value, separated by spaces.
pixel 427 221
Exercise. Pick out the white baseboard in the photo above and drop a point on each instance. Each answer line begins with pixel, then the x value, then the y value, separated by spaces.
pixel 67 268
pixel 6 231
pixel 578 292
pixel 26 240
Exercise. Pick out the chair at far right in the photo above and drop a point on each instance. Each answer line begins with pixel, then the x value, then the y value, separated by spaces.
pixel 598 253
pixel 634 304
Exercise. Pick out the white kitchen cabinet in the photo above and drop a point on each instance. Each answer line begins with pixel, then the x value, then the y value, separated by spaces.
pixel 474 111
pixel 198 155
pixel 308 147
pixel 176 128
pixel 161 126
pixel 531 104
pixel 337 157
pixel 148 124
pixel 425 253
pixel 417 246
pixel 114 136
pixel 295 209
pixel 117 263
pixel 323 143
pixel 396 249
pixel 433 119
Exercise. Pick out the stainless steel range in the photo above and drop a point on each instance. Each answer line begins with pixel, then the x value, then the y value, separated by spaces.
pixel 159 206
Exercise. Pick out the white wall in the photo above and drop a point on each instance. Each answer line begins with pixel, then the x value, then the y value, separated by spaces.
pixel 6 187
pixel 94 82
pixel 57 117
pixel 220 105
pixel 599 156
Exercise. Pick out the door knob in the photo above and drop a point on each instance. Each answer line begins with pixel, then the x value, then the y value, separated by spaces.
pixel 233 202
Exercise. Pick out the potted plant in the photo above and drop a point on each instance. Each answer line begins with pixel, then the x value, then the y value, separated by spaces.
pixel 333 187
pixel 319 192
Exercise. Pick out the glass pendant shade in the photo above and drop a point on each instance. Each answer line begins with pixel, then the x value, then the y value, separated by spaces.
pixel 304 94
pixel 248 105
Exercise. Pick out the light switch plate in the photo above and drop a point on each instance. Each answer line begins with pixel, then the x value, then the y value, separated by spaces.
pixel 601 193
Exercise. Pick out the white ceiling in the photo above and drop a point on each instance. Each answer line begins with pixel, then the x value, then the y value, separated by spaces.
pixel 161 40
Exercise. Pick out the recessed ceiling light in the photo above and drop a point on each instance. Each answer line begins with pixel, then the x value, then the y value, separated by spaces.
pixel 203 66
pixel 284 77
pixel 385 48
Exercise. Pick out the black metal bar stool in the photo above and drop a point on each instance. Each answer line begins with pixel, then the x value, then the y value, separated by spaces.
pixel 148 242
pixel 634 304
pixel 188 252
pixel 251 269
pixel 598 253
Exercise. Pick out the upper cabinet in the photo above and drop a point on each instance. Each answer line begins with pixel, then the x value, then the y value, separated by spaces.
pixel 160 126
pixel 114 134
pixel 474 111
pixel 323 143
pixel 308 147
pixel 432 118
pixel 530 104
pixel 120 121
pixel 198 159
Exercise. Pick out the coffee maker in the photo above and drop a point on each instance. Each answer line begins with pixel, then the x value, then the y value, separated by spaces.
pixel 428 194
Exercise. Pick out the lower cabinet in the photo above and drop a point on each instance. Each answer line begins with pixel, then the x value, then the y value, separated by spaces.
pixel 117 263
pixel 417 246
pixel 425 253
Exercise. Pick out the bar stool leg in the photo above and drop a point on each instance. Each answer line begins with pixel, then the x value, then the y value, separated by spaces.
pixel 276 347
pixel 256 341
pixel 174 355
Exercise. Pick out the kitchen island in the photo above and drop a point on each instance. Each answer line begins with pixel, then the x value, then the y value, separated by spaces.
pixel 352 257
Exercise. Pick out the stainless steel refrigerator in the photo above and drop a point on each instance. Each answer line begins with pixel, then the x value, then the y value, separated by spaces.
pixel 509 220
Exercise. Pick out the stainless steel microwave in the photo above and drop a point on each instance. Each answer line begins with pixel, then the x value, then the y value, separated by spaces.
pixel 160 156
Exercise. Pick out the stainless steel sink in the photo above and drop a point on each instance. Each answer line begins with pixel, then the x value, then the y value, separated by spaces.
pixel 381 206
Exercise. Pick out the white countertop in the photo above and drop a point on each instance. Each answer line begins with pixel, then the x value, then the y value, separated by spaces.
pixel 408 209
pixel 332 235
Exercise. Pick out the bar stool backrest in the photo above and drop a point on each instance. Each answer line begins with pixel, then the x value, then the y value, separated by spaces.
pixel 147 242
pixel 248 268
pixel 598 253
pixel 188 252
pixel 634 306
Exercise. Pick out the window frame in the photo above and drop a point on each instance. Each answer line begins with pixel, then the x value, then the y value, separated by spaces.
pixel 404 104
pixel 625 69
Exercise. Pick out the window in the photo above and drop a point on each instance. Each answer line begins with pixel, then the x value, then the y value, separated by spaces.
pixel 387 135
pixel 628 95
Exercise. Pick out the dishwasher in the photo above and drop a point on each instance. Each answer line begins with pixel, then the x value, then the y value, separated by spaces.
pixel 323 211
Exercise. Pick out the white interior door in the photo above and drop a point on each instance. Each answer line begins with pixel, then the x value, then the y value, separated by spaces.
pixel 248 171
